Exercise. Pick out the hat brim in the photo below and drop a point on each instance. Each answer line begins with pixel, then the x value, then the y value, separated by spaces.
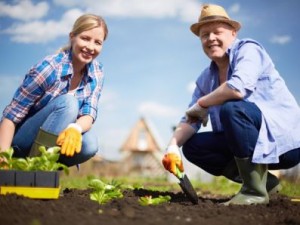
pixel 195 28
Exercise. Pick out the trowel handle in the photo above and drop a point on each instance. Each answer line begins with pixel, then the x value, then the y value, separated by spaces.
pixel 178 174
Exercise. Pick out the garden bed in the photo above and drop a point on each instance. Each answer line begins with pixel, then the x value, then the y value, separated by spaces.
pixel 74 207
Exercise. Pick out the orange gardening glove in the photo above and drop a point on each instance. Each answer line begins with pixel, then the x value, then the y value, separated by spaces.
pixel 172 160
pixel 70 140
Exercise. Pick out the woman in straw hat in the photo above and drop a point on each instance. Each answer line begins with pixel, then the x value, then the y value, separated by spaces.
pixel 57 102
pixel 255 119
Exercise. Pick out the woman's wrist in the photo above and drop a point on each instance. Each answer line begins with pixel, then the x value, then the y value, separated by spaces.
pixel 76 126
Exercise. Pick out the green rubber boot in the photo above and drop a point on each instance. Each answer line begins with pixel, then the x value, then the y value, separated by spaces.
pixel 254 178
pixel 43 138
pixel 231 172
pixel 273 185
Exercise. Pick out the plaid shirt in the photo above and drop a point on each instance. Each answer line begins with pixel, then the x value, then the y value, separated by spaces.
pixel 50 78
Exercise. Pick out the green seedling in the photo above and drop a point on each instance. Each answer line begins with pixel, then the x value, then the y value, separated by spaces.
pixel 47 161
pixel 149 200
pixel 104 192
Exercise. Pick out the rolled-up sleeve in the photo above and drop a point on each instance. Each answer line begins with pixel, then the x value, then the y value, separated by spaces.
pixel 31 89
pixel 248 64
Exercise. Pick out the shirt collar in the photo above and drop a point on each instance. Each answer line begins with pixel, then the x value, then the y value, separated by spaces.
pixel 232 46
pixel 67 66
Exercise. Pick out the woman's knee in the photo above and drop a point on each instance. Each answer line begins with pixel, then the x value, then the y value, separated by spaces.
pixel 88 150
pixel 90 145
pixel 68 106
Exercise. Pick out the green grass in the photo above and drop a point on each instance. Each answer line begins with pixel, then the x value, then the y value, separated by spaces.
pixel 290 189
pixel 219 186
pixel 74 182
pixel 223 186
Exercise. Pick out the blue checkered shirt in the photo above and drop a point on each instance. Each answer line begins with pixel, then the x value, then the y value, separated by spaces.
pixel 50 78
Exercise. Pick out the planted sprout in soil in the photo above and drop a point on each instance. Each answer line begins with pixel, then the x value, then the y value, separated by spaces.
pixel 74 207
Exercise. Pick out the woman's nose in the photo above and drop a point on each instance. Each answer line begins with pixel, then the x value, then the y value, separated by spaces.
pixel 90 46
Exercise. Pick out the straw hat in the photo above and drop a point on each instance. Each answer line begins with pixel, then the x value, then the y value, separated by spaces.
pixel 213 13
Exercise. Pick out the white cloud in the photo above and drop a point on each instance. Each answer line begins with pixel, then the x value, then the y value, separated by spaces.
pixel 24 10
pixel 43 32
pixel 37 31
pixel 191 87
pixel 190 11
pixel 282 40
pixel 235 8
pixel 108 100
pixel 185 10
pixel 69 3
pixel 111 149
pixel 157 109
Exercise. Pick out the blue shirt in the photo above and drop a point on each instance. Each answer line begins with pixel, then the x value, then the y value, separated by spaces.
pixel 252 73
pixel 50 78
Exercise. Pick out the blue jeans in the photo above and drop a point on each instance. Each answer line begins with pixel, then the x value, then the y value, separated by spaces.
pixel 241 123
pixel 53 118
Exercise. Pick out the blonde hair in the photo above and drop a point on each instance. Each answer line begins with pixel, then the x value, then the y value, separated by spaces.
pixel 84 23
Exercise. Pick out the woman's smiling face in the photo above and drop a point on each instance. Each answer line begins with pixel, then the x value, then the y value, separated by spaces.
pixel 87 45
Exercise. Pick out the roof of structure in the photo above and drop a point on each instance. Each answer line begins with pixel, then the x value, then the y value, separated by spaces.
pixel 141 138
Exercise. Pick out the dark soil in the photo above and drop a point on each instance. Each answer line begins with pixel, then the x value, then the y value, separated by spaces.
pixel 75 208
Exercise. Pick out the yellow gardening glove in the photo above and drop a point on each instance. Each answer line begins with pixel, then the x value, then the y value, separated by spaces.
pixel 172 160
pixel 70 140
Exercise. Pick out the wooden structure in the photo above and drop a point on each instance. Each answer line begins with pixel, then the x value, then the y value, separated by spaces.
pixel 141 152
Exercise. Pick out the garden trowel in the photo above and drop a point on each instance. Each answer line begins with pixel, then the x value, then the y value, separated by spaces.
pixel 187 187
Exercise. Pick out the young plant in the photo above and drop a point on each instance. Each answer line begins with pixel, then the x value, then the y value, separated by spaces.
pixel 47 161
pixel 104 192
pixel 6 161
pixel 148 200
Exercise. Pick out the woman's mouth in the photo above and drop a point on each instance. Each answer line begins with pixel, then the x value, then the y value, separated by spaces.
pixel 86 55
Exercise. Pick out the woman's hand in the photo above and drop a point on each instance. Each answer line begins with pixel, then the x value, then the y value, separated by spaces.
pixel 70 140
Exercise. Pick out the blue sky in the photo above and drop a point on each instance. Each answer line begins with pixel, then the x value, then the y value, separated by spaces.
pixel 150 58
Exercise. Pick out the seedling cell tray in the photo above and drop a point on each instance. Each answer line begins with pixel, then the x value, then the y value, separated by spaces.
pixel 32 184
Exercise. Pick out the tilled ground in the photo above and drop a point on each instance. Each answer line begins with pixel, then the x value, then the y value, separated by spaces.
pixel 74 207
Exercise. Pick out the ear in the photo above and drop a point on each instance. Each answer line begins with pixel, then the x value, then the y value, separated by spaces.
pixel 71 35
pixel 234 33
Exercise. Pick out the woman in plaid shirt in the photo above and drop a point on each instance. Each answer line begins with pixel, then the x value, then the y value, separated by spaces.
pixel 57 102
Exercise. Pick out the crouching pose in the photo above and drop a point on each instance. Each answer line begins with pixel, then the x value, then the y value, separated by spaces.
pixel 255 119
pixel 57 102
